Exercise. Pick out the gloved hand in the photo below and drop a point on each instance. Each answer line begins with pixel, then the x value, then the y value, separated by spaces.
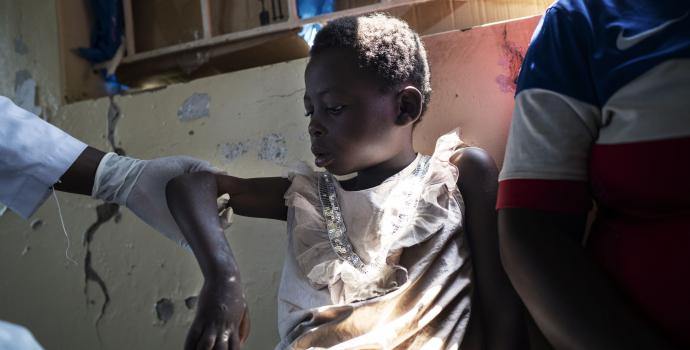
pixel 140 186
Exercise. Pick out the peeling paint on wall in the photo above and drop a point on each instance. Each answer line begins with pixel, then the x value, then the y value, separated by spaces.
pixel 273 148
pixel 25 92
pixel 232 151
pixel 20 46
pixel 104 212
pixel 513 55
pixel 20 77
pixel 165 309
pixel 36 224
pixel 194 107
pixel 131 267
pixel 190 302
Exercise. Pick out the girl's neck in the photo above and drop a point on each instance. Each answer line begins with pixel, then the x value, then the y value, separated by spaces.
pixel 375 175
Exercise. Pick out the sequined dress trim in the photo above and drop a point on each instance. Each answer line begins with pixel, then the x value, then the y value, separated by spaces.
pixel 335 225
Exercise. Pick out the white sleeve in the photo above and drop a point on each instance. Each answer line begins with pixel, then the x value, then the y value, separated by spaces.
pixel 33 156
pixel 16 337
pixel 550 137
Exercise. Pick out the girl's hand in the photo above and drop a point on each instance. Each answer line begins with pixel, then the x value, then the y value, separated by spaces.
pixel 222 320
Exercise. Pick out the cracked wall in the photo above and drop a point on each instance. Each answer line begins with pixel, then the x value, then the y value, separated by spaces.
pixel 134 289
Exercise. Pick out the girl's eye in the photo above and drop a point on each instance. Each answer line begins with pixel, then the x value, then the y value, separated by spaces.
pixel 308 113
pixel 335 109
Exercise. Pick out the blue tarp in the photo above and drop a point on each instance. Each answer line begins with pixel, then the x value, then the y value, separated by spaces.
pixel 311 8
pixel 106 36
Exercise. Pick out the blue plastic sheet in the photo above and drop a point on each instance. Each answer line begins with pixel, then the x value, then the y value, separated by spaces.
pixel 311 8
pixel 106 36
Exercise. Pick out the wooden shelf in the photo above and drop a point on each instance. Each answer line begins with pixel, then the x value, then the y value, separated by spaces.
pixel 175 41
pixel 208 40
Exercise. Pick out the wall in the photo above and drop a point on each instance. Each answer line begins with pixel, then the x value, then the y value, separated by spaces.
pixel 473 81
pixel 253 127
pixel 30 53
pixel 137 267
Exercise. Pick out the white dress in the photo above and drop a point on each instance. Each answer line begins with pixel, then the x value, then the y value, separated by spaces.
pixel 393 273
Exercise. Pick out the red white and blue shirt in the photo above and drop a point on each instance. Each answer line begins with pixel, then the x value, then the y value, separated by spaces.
pixel 603 114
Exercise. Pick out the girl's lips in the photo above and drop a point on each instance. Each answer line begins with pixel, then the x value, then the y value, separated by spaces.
pixel 323 160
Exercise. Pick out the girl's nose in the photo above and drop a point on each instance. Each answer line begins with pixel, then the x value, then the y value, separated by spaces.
pixel 316 129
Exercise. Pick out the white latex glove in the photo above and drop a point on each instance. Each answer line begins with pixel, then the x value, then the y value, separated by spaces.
pixel 140 186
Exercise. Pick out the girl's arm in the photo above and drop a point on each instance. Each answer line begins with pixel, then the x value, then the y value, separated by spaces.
pixel 221 321
pixel 501 313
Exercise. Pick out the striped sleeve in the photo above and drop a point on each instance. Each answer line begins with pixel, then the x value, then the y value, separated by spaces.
pixel 555 122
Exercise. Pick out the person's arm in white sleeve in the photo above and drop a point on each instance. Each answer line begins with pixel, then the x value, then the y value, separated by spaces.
pixel 16 337
pixel 35 156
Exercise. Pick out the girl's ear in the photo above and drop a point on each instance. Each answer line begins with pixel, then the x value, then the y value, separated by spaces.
pixel 410 102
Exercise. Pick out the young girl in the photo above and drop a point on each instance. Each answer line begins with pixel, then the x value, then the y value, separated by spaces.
pixel 379 261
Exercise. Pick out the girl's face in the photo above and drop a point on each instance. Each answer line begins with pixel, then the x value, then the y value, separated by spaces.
pixel 352 117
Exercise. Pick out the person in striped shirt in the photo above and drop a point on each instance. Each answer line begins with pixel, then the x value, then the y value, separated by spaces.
pixel 602 116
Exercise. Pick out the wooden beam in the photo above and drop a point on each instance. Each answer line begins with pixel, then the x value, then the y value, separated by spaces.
pixel 129 27
pixel 217 40
pixel 206 18
pixel 111 65
pixel 293 16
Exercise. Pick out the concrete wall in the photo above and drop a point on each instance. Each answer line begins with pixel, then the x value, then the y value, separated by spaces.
pixel 473 75
pixel 29 50
pixel 253 127
pixel 243 133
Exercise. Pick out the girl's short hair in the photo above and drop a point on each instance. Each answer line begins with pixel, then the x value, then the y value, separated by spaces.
pixel 384 45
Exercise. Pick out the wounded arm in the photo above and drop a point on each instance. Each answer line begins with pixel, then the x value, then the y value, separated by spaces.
pixel 192 203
